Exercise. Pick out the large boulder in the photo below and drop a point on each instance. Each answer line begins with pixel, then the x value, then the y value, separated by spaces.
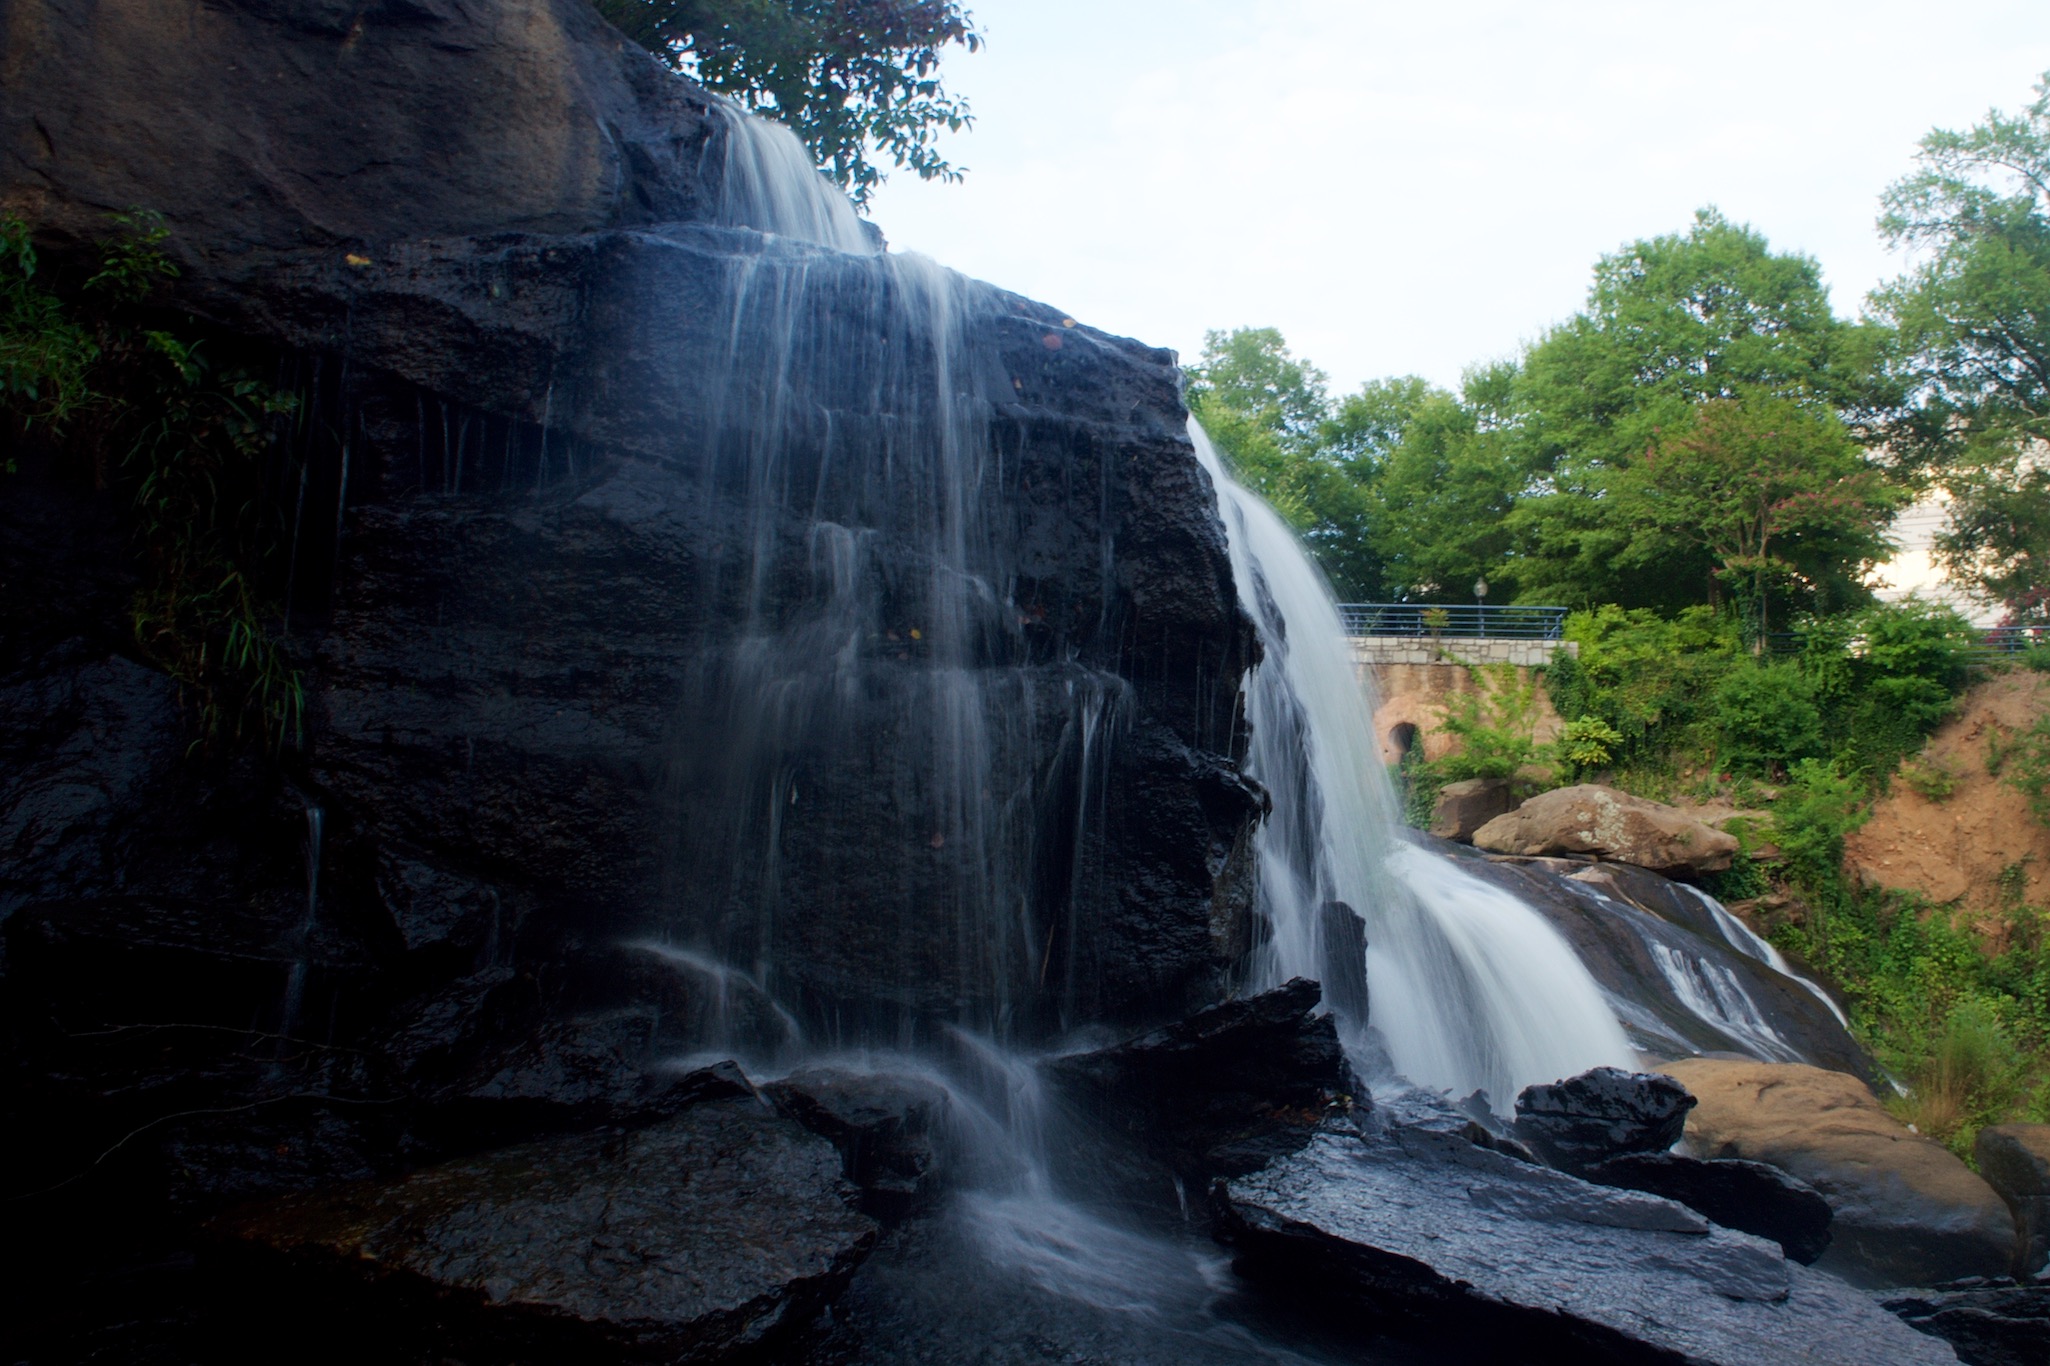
pixel 710 1236
pixel 1489 1258
pixel 1906 1211
pixel 269 131
pixel 2015 1160
pixel 1599 821
pixel 1462 808
pixel 1600 1114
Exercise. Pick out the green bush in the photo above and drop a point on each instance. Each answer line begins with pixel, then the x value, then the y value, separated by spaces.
pixel 46 356
pixel 1818 808
pixel 1930 779
pixel 1587 742
pixel 1766 719
pixel 1646 677
pixel 184 439
pixel 1885 677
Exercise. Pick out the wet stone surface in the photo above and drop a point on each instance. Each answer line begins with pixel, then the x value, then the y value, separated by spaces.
pixel 1601 1114
pixel 1465 1242
pixel 717 1233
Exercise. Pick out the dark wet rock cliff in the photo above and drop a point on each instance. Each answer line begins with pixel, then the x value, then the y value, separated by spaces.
pixel 573 447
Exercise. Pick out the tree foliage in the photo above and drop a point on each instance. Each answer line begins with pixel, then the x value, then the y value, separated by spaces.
pixel 855 79
pixel 1773 489
pixel 1672 323
pixel 1269 414
pixel 1974 342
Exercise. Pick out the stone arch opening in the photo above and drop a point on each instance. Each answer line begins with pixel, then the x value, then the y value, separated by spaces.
pixel 1402 738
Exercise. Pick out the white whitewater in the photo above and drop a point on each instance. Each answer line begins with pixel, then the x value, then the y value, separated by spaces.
pixel 1748 942
pixel 769 183
pixel 1470 989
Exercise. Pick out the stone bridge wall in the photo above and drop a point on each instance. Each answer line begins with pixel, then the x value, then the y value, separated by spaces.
pixel 1414 680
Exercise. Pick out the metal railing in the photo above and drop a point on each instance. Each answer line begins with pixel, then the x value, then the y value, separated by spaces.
pixel 1989 645
pixel 1469 621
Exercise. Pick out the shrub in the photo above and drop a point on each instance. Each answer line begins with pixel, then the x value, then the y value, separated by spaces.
pixel 1929 779
pixel 1818 808
pixel 1766 719
pixel 46 356
pixel 186 439
pixel 1969 1078
pixel 1885 677
pixel 1586 743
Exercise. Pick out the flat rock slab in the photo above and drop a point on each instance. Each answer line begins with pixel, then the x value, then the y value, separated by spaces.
pixel 693 1240
pixel 1478 1245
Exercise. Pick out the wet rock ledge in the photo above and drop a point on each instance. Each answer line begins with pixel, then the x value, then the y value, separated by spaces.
pixel 718 1233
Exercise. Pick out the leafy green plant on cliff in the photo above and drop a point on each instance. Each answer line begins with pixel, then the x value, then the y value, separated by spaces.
pixel 201 616
pixel 122 401
pixel 1495 722
pixel 46 356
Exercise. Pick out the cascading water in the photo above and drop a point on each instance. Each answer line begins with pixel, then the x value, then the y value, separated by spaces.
pixel 768 182
pixel 1004 782
pixel 1746 941
pixel 1471 989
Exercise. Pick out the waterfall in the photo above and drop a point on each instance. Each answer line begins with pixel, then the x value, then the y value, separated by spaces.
pixel 857 411
pixel 1470 989
pixel 768 183
pixel 1746 941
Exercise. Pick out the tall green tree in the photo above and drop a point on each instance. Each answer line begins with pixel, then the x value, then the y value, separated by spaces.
pixel 1447 485
pixel 855 79
pixel 1269 414
pixel 1974 350
pixel 1773 489
pixel 1671 322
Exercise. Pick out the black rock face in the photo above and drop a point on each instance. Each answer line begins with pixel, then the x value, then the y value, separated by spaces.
pixel 1601 1114
pixel 1222 1092
pixel 1989 1322
pixel 1748 1196
pixel 711 641
pixel 889 1130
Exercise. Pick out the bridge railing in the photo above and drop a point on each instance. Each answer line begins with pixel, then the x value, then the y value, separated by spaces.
pixel 1468 621
pixel 1989 645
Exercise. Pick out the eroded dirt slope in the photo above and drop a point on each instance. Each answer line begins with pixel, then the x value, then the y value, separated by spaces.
pixel 1955 850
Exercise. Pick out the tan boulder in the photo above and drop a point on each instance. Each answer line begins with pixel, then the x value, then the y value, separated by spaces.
pixel 1464 807
pixel 1907 1212
pixel 1597 820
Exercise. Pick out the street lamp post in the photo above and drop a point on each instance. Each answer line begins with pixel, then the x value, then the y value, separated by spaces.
pixel 1480 598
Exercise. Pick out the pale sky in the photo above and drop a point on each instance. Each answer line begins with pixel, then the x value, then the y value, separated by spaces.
pixel 1413 188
